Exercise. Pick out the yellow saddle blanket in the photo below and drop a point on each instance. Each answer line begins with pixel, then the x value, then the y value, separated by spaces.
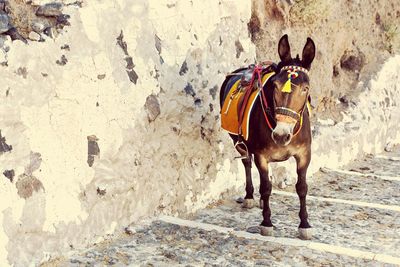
pixel 232 103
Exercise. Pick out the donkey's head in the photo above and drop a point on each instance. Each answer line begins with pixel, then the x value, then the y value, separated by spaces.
pixel 291 89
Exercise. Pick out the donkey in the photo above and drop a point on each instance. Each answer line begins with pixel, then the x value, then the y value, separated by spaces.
pixel 279 128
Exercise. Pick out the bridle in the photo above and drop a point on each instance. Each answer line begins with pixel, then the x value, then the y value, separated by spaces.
pixel 293 72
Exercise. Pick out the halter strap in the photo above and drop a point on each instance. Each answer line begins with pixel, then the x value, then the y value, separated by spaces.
pixel 295 68
pixel 287 112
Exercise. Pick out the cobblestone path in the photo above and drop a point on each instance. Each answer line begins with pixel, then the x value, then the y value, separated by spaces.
pixel 355 214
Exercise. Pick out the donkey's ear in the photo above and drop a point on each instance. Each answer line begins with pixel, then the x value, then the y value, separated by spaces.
pixel 308 53
pixel 284 49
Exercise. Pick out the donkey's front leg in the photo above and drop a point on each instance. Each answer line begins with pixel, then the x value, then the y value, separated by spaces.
pixel 303 161
pixel 265 192
pixel 248 199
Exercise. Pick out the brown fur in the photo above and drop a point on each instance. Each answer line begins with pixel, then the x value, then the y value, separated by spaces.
pixel 261 144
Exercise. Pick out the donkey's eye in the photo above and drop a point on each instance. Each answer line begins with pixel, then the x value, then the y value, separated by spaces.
pixel 305 89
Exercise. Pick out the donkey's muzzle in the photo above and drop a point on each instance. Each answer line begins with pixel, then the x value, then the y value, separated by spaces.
pixel 283 133
pixel 281 139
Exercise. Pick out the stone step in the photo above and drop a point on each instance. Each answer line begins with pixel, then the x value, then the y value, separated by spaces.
pixel 352 187
pixel 390 158
pixel 362 228
pixel 361 172
pixel 176 242
pixel 381 165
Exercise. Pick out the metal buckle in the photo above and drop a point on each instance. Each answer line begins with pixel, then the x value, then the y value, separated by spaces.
pixel 247 150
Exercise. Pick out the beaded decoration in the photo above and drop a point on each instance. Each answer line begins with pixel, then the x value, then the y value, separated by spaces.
pixel 293 72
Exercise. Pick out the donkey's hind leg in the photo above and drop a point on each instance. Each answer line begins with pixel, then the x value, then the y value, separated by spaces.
pixel 266 226
pixel 248 202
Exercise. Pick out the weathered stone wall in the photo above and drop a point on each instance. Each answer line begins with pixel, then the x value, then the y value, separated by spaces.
pixel 115 120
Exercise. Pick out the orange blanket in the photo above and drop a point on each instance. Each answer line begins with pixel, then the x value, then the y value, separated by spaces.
pixel 230 108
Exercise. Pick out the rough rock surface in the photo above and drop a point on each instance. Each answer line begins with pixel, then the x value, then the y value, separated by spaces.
pixel 353 39
pixel 56 94
pixel 23 20
pixel 4 22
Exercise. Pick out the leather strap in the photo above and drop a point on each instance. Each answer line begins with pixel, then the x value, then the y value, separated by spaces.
pixel 257 72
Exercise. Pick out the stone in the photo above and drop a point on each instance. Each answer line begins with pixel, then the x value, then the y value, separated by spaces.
pixel 3 39
pixel 129 230
pixel 184 68
pixel 213 91
pixel 15 35
pixel 27 184
pixel 62 61
pixel 197 102
pixel 239 200
pixel 266 231
pixel 122 43
pixel 157 41
pixel 9 174
pixel 38 27
pixel 389 147
pixel 239 48
pixel 282 185
pixel 352 61
pixel 152 107
pixel 51 32
pixel 253 230
pixel 189 90
pixel 66 47
pixel 63 19
pixel 22 71
pixel 3 56
pixel 133 76
pixel 101 192
pixel 34 36
pixel 50 10
pixel 4 147
pixel 93 149
pixel 249 203
pixel 4 22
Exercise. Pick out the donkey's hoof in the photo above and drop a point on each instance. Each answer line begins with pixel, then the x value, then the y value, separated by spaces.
pixel 261 204
pixel 248 203
pixel 305 233
pixel 267 230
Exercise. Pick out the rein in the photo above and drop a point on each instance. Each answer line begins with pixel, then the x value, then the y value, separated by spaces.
pixel 257 72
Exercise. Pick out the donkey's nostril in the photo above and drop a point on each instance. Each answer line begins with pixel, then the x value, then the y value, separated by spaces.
pixel 287 138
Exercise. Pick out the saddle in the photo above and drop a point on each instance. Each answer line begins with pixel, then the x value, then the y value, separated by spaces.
pixel 240 100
